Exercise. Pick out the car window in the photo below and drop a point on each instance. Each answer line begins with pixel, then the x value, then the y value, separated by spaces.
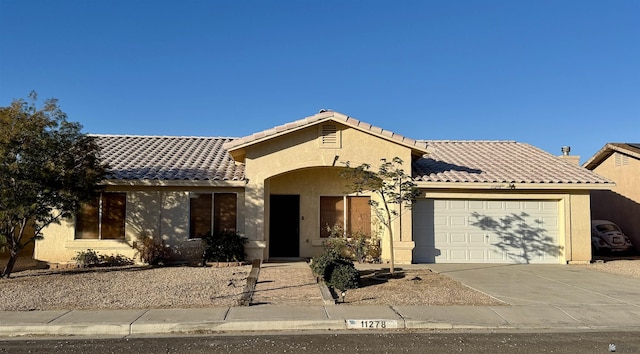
pixel 607 228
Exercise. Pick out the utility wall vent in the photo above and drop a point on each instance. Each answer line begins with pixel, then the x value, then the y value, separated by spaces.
pixel 621 159
pixel 330 136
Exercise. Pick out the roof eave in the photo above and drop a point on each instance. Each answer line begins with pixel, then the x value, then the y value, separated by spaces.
pixel 237 151
pixel 515 186
pixel 172 183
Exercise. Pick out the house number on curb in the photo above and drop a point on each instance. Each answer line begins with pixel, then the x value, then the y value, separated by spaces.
pixel 371 324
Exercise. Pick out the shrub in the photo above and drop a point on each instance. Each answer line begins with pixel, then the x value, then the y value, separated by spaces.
pixel 87 258
pixel 91 258
pixel 343 275
pixel 224 246
pixel 117 260
pixel 336 270
pixel 356 246
pixel 320 264
pixel 152 252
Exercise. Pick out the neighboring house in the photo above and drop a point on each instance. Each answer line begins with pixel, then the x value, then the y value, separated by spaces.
pixel 620 163
pixel 480 201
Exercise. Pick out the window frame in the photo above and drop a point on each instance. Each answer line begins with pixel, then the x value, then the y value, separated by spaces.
pixel 213 216
pixel 347 214
pixel 100 217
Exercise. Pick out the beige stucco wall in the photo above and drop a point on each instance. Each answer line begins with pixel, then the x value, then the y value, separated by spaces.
pixel 297 164
pixel 622 204
pixel 162 212
pixel 573 214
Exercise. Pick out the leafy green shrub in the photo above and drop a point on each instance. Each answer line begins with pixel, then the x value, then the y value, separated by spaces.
pixel 224 246
pixel 91 258
pixel 356 246
pixel 87 258
pixel 335 269
pixel 152 252
pixel 117 260
pixel 343 275
pixel 320 264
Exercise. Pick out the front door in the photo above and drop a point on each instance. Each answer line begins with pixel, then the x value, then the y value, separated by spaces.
pixel 284 226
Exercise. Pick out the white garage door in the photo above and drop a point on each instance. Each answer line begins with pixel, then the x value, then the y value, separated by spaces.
pixel 486 231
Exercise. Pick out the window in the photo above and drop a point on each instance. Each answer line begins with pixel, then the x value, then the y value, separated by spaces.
pixel 335 210
pixel 103 218
pixel 212 212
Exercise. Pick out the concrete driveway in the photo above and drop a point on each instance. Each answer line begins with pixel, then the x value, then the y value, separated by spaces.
pixel 527 284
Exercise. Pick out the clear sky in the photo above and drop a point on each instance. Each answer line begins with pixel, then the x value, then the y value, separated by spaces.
pixel 548 73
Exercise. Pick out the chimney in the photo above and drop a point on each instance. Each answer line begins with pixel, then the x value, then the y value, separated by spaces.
pixel 574 159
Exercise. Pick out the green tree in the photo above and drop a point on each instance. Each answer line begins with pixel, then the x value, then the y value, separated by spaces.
pixel 47 169
pixel 391 185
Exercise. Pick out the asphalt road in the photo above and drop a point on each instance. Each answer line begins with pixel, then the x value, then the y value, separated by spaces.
pixel 344 342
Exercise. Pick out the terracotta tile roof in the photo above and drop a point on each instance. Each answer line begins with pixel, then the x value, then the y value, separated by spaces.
pixel 631 149
pixel 497 162
pixel 168 158
pixel 323 116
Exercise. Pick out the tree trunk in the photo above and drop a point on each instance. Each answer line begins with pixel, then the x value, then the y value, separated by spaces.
pixel 9 267
pixel 392 267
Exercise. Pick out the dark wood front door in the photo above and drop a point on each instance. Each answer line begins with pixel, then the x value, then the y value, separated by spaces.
pixel 284 226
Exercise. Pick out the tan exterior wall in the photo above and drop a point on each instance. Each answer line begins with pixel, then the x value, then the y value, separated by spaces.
pixel 152 211
pixel 574 219
pixel 269 166
pixel 622 204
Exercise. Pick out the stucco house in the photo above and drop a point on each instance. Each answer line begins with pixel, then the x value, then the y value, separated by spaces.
pixel 620 163
pixel 479 202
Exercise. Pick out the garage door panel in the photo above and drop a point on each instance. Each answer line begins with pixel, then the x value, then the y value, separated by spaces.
pixel 477 238
pixel 486 231
pixel 476 255
pixel 457 237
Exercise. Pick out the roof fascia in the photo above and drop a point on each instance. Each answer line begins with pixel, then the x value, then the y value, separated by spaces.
pixel 607 151
pixel 169 183
pixel 237 151
pixel 516 186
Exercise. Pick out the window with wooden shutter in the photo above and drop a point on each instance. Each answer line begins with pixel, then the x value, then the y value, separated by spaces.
pixel 102 219
pixel 212 213
pixel 357 212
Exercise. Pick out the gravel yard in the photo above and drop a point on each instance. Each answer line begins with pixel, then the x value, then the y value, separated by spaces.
pixel 122 288
pixel 188 287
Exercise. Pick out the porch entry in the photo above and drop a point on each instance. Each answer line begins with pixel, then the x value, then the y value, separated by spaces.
pixel 284 226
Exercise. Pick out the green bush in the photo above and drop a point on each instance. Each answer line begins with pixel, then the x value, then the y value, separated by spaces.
pixel 91 258
pixel 343 275
pixel 320 264
pixel 87 258
pixel 151 251
pixel 117 260
pixel 224 246
pixel 356 246
pixel 336 270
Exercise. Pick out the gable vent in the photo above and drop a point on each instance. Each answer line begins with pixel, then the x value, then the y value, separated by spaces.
pixel 621 160
pixel 329 136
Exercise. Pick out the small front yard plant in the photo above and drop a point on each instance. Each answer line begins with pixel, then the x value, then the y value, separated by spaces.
pixel 225 246
pixel 91 258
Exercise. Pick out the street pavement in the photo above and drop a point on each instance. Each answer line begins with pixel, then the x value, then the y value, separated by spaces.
pixel 537 297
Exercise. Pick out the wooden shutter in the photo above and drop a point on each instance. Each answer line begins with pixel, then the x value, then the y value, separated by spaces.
pixel 113 215
pixel 200 215
pixel 87 220
pixel 359 213
pixel 225 212
pixel 331 214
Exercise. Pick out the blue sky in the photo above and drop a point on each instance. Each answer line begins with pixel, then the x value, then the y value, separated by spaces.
pixel 548 73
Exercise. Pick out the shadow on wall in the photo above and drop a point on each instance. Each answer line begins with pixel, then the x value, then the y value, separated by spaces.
pixel 521 241
pixel 609 205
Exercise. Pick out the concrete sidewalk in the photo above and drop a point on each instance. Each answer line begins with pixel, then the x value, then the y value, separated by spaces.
pixel 539 298
pixel 274 318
